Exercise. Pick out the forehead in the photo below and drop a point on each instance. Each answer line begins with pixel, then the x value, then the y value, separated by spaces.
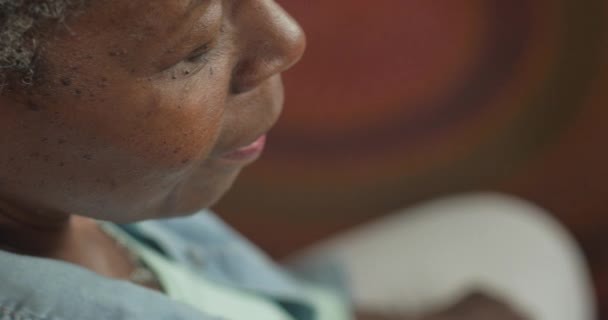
pixel 164 16
pixel 132 14
pixel 125 21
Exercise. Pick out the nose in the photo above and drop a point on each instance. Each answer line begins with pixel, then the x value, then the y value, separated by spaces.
pixel 270 42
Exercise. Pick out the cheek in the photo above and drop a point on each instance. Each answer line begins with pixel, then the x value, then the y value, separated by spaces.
pixel 115 150
pixel 159 128
pixel 169 128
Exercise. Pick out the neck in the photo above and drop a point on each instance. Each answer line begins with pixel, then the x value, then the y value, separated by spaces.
pixel 31 218
pixel 30 231
pixel 74 239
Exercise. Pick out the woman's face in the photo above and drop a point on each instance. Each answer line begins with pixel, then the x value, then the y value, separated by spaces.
pixel 145 108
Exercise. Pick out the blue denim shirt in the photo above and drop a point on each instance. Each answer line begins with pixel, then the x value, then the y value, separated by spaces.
pixel 43 289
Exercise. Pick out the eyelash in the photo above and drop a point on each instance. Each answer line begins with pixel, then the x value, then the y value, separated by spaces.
pixel 195 62
pixel 200 54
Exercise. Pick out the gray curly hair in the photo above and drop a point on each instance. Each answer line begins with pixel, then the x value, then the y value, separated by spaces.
pixel 20 22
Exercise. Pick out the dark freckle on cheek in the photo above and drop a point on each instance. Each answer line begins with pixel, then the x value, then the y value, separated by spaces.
pixel 87 157
pixel 211 71
pixel 66 81
pixel 77 92
pixel 61 164
pixel 61 141
pixel 185 161
pixel 177 150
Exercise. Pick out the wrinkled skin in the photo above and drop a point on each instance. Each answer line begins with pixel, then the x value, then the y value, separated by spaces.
pixel 129 121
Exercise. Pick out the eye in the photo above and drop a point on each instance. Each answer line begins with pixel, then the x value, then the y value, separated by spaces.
pixel 200 54
pixel 190 64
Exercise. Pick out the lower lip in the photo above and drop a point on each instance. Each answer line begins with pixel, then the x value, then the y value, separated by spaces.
pixel 248 153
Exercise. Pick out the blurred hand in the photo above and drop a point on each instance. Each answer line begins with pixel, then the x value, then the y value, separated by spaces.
pixel 476 306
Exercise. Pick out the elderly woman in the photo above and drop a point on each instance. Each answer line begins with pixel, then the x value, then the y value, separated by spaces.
pixel 130 110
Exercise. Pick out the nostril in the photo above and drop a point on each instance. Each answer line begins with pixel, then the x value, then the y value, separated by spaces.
pixel 246 76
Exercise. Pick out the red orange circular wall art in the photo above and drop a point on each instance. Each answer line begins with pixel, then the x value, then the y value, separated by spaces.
pixel 402 100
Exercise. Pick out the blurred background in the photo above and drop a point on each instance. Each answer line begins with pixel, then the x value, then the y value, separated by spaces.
pixel 402 101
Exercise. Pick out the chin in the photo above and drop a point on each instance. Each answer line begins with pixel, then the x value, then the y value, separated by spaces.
pixel 194 196
pixel 199 192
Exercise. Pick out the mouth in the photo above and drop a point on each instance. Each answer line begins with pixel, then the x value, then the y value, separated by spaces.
pixel 246 154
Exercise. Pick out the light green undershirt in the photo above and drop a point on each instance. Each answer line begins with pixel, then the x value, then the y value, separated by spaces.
pixel 215 299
